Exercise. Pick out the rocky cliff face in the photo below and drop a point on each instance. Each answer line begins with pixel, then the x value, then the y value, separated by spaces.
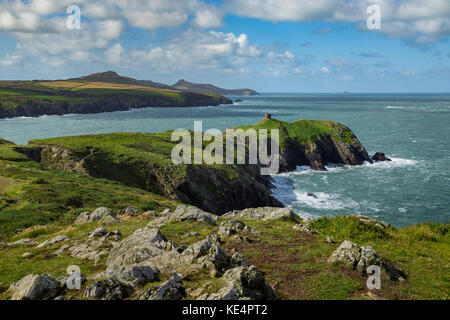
pixel 322 151
pixel 132 159
pixel 210 188
pixel 110 103
pixel 314 143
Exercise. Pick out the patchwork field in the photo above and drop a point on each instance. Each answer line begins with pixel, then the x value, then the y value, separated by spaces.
pixel 35 98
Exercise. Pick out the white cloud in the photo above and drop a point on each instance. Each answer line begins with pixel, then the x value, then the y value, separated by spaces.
pixel 422 21
pixel 325 70
pixel 287 10
pixel 191 51
pixel 207 16
pixel 110 29
pixel 113 54
pixel 10 60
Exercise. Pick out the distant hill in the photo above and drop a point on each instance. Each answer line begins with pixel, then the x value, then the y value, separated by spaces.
pixel 184 85
pixel 98 92
pixel 112 77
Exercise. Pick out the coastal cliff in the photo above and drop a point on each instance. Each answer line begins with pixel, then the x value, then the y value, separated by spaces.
pixel 112 101
pixel 128 237
pixel 144 161
pixel 314 143
pixel 128 159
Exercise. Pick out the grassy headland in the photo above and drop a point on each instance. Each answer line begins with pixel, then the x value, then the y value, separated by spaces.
pixel 44 186
pixel 35 98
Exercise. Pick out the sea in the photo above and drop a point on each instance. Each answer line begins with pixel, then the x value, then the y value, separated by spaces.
pixel 411 129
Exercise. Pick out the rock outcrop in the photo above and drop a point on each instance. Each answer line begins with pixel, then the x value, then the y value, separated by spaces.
pixel 264 213
pixel 35 287
pixel 172 289
pixel 372 221
pixel 53 241
pixel 355 257
pixel 244 282
pixel 110 289
pixel 101 215
pixel 380 156
pixel 98 244
pixel 322 150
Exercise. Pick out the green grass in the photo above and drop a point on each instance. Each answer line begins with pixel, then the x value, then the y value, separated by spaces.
pixel 330 286
pixel 297 262
pixel 50 196
pixel 304 131
pixel 27 94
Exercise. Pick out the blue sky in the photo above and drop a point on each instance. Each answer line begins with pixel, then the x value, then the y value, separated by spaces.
pixel 270 46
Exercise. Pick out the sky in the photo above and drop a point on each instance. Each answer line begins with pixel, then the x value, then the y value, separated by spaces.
pixel 266 45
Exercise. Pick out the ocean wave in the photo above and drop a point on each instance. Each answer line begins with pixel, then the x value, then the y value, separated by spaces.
pixel 396 107
pixel 395 162
pixel 285 192
pixel 324 201
pixel 428 108
pixel 333 168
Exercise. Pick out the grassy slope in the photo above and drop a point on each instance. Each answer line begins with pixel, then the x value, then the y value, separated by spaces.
pixel 126 157
pixel 18 93
pixel 32 194
pixel 298 262
pixel 303 131
pixel 294 263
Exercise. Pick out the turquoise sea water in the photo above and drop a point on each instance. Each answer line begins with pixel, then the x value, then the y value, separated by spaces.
pixel 412 129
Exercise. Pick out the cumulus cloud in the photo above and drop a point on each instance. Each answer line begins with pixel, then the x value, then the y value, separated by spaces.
pixel 420 21
pixel 113 54
pixel 35 15
pixel 191 51
pixel 207 16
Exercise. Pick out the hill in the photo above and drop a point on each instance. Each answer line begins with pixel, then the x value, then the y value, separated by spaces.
pixel 113 77
pixel 102 92
pixel 209 88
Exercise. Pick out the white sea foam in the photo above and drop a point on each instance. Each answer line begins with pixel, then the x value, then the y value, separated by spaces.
pixel 396 107
pixel 285 192
pixel 428 108
pixel 324 201
pixel 396 162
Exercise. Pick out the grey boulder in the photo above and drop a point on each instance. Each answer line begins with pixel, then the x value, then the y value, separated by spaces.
pixel 263 213
pixel 99 214
pixel 35 287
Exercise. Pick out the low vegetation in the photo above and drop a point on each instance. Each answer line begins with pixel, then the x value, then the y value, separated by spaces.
pixel 32 194
pixel 35 98
pixel 39 200
pixel 304 131
pixel 294 263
